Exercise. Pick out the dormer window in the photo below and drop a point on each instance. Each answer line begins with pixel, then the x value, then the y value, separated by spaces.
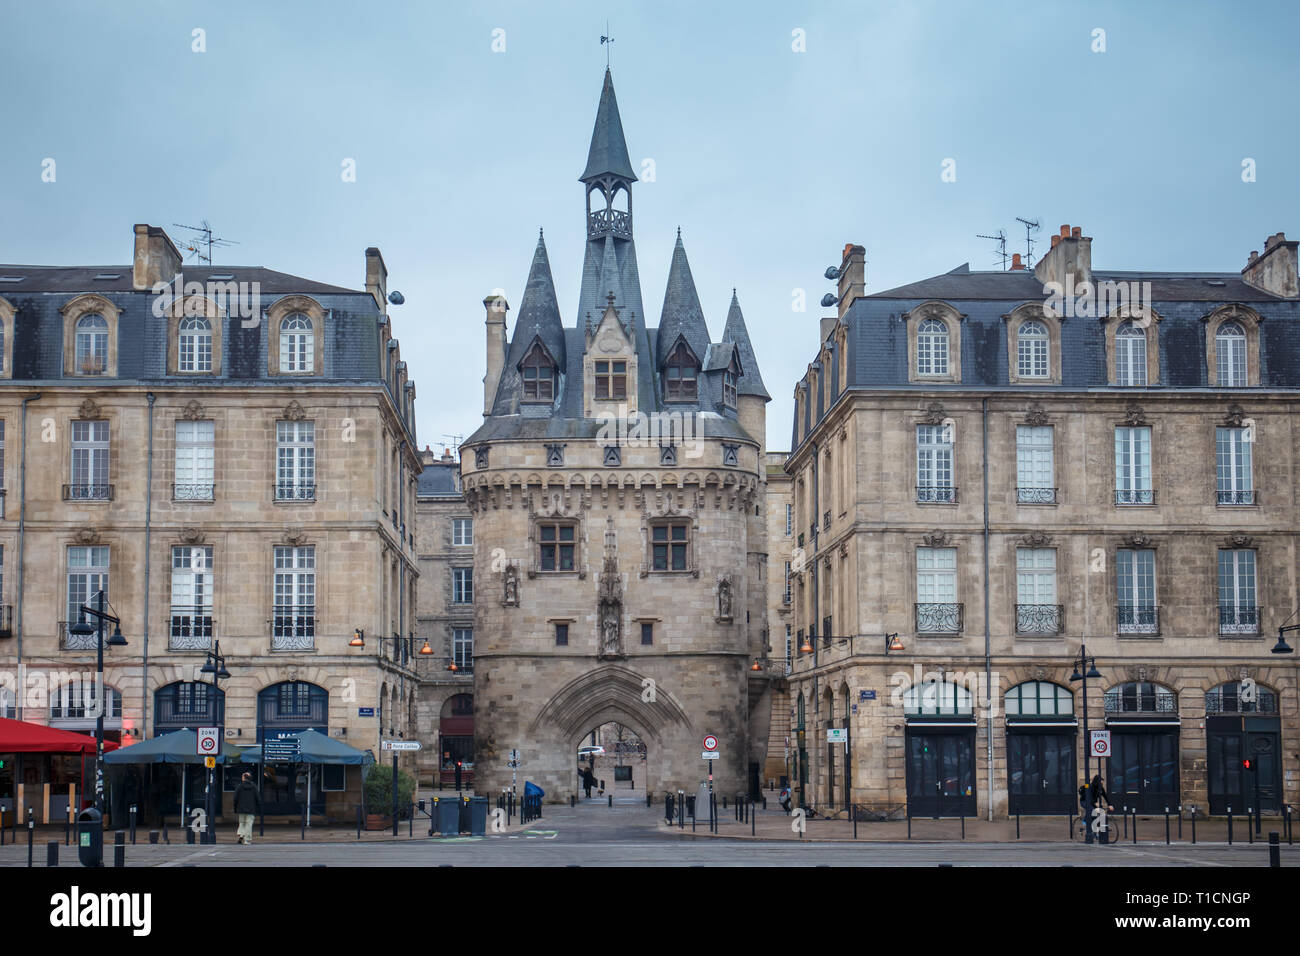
pixel 539 375
pixel 729 388
pixel 92 344
pixel 195 338
pixel 296 345
pixel 681 375
pixel 611 380
pixel 1230 355
pixel 932 348
pixel 1130 355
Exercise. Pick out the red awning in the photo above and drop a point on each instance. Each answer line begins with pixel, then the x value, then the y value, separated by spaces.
pixel 18 736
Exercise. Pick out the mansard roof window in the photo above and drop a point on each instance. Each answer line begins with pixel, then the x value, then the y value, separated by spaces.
pixel 611 380
pixel 729 387
pixel 92 345
pixel 297 343
pixel 538 372
pixel 681 375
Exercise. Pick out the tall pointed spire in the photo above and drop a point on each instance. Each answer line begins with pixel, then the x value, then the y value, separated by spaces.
pixel 682 314
pixel 607 155
pixel 751 382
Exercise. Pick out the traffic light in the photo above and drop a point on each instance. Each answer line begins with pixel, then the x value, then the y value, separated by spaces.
pixel 1247 764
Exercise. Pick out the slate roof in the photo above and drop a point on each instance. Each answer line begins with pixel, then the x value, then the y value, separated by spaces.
pixel 751 382
pixel 79 279
pixel 877 339
pixel 438 480
pixel 539 318
pixel 682 315
pixel 608 151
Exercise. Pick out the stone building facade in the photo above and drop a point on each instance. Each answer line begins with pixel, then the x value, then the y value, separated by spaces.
pixel 230 460
pixel 994 471
pixel 444 543
pixel 617 485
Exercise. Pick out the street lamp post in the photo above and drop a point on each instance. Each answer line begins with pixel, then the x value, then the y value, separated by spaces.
pixel 1084 668
pixel 216 666
pixel 84 629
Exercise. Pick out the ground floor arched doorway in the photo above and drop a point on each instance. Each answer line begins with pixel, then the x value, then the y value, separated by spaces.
pixel 617 760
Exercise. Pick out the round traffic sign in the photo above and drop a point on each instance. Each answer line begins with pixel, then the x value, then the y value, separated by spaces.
pixel 1100 747
pixel 208 744
pixel 710 742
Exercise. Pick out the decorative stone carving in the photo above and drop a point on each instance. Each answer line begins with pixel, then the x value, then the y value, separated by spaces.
pixel 730 455
pixel 193 411
pixel 295 537
pixel 1134 415
pixel 1239 540
pixel 724 600
pixel 1236 416
pixel 555 455
pixel 609 589
pixel 481 457
pixel 1138 540
pixel 1040 673
pixel 191 536
pixel 89 409
pixel 87 536
pixel 510 585
pixel 1036 539
pixel 668 455
pixel 294 411
pixel 936 539
pixel 935 414
pixel 1036 415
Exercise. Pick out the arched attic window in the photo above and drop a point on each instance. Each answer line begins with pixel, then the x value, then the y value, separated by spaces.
pixel 538 374
pixel 681 374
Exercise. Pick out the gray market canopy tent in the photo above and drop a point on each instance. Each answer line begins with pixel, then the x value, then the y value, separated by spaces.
pixel 315 747
pixel 176 747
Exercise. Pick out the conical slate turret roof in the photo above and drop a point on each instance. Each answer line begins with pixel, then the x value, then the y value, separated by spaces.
pixel 751 382
pixel 682 314
pixel 539 315
pixel 608 152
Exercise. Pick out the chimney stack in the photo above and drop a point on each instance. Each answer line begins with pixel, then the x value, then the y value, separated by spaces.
pixel 377 278
pixel 496 307
pixel 853 277
pixel 156 257
pixel 426 456
pixel 1016 264
pixel 1070 254
pixel 1275 270
pixel 447 456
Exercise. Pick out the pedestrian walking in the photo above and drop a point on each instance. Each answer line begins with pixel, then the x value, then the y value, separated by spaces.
pixel 247 804
pixel 588 781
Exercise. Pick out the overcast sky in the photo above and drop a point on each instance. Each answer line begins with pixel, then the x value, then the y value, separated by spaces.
pixel 769 158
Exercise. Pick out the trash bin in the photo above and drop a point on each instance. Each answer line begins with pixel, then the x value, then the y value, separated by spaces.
pixel 690 805
pixel 90 837
pixel 448 813
pixel 478 811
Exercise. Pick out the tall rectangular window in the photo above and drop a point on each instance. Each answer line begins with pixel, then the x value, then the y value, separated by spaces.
pixel 89 477
pixel 462 585
pixel 462 531
pixel 195 443
pixel 789 520
pixel 647 632
pixel 611 380
pixel 561 635
pixel 557 545
pixel 1133 466
pixel 937 610
pixel 789 650
pixel 1238 612
pixel 1135 580
pixel 934 463
pixel 785 595
pixel 2 455
pixel 462 648
pixel 191 616
pixel 295 460
pixel 668 546
pixel 1036 609
pixel 294 620
pixel 87 576
pixel 1234 481
pixel 1035 467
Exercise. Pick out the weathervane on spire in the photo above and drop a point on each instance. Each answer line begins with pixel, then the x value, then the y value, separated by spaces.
pixel 606 39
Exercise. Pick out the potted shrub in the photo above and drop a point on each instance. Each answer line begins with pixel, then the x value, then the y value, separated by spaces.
pixel 379 795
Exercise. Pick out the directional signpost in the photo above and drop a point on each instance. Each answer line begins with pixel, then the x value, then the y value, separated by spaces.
pixel 400 745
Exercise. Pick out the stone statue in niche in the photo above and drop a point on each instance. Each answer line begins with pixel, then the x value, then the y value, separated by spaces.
pixel 511 585
pixel 610 645
pixel 610 598
pixel 724 599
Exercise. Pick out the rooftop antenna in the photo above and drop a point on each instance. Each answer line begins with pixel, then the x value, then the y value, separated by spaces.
pixel 1031 226
pixel 605 41
pixel 456 441
pixel 1001 240
pixel 196 245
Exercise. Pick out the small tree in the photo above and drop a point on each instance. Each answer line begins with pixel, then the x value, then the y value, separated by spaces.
pixel 379 789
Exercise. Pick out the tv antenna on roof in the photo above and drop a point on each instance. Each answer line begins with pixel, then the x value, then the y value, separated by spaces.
pixel 1001 240
pixel 1031 226
pixel 204 240
pixel 456 441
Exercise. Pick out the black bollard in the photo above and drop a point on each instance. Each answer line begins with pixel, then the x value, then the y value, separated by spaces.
pixel 1193 826
pixel 67 828
pixel 573 799
pixel 166 837
pixel 410 821
pixel 52 853
pixel 611 799
pixel 1274 851
pixel 1017 826
pixel 133 813
pixel 153 837
pixel 1135 825
pixel 1166 826
pixel 189 830
pixel 1250 831
pixel 1180 821
pixel 751 821
pixel 963 826
pixel 303 816
pixel 31 826
pixel 1229 826
pixel 358 821
pixel 119 849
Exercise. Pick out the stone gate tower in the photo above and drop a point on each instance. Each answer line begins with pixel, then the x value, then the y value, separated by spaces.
pixel 617 486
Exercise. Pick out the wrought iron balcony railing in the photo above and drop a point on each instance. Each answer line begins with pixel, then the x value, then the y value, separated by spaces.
pixel 933 493
pixel 1135 496
pixel 295 490
pixel 201 709
pixel 1235 497
pixel 1238 620
pixel 1035 496
pixel 1138 619
pixel 1040 618
pixel 87 492
pixel 192 490
pixel 191 628
pixel 1218 702
pixel 939 618
pixel 293 627
pixel 1121 702
pixel 77 642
